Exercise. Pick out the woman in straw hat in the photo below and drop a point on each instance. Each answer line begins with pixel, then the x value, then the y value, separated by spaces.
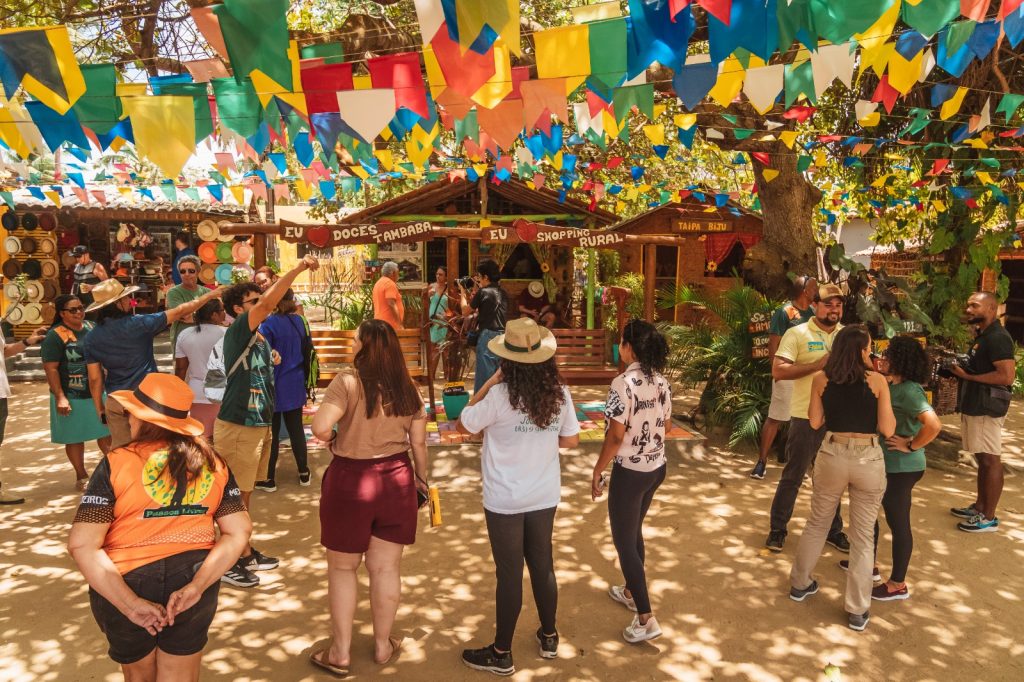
pixel 73 416
pixel 372 417
pixel 145 535
pixel 526 414
pixel 119 351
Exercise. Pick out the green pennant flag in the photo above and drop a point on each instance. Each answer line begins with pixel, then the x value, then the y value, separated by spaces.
pixel 799 81
pixel 295 124
pixel 989 161
pixel 639 96
pixel 200 103
pixel 467 127
pixel 743 133
pixel 607 53
pixel 99 109
pixel 331 53
pixel 256 36
pixel 803 163
pixel 959 33
pixel 170 192
pixel 8 198
pixel 215 175
pixel 1009 104
pixel 836 22
pixel 731 118
pixel 238 106
pixel 927 18
pixel 192 193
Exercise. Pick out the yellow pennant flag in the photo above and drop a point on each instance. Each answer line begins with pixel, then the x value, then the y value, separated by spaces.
pixel 871 120
pixel 165 130
pixel 53 196
pixel 386 159
pixel 685 121
pixel 45 48
pixel 770 174
pixel 564 52
pixel 879 32
pixel 729 83
pixel 238 192
pixel 267 88
pixel 655 133
pixel 939 206
pixel 302 189
pixel 788 137
pixel 903 74
pixel 498 86
pixel 17 130
pixel 953 104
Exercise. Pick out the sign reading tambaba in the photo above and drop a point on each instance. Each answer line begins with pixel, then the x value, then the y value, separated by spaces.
pixel 324 236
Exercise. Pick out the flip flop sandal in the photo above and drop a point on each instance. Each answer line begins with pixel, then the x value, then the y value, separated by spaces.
pixel 319 659
pixel 396 647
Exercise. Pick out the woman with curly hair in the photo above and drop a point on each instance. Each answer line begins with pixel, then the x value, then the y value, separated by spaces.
pixel 906 366
pixel 637 414
pixel 526 414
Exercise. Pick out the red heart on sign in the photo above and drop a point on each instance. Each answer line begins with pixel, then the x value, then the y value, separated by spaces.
pixel 318 236
pixel 526 230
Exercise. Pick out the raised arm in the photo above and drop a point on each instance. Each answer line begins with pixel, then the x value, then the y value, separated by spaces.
pixel 272 296
pixel 185 309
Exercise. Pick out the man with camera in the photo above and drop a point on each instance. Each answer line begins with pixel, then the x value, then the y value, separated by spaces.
pixel 490 302
pixel 986 377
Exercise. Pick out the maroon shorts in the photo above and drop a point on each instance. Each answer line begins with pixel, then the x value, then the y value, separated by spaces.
pixel 364 497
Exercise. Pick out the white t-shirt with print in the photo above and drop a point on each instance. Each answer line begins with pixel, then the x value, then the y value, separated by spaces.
pixel 196 346
pixel 521 469
pixel 645 407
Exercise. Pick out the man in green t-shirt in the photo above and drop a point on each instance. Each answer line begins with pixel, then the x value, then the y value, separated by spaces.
pixel 188 290
pixel 798 311
pixel 242 430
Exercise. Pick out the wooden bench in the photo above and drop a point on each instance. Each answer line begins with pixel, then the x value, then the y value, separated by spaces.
pixel 580 357
pixel 334 348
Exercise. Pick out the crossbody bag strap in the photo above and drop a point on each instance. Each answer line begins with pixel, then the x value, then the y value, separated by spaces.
pixel 245 353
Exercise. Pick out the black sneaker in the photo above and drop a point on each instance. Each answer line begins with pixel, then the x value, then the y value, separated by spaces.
pixel 800 595
pixel 839 541
pixel 548 645
pixel 258 561
pixel 964 512
pixel 876 576
pixel 304 477
pixel 776 539
pixel 858 621
pixel 488 660
pixel 758 471
pixel 239 575
pixel 267 486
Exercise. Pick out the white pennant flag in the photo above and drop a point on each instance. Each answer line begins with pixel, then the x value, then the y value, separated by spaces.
pixel 831 62
pixel 367 112
pixel 763 85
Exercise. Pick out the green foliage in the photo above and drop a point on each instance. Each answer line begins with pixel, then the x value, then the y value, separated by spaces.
pixel 717 353
pixel 634 302
pixel 1018 380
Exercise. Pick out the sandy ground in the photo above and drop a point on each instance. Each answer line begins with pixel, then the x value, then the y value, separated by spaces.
pixel 721 599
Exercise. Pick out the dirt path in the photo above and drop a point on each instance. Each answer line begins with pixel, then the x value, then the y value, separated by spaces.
pixel 721 600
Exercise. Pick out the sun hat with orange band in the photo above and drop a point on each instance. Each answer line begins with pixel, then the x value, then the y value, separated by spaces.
pixel 163 400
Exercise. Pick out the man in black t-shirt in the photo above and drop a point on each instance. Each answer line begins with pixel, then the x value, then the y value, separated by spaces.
pixel 490 303
pixel 984 400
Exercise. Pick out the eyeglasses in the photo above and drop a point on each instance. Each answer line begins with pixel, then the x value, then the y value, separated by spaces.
pixel 253 301
pixel 187 271
pixel 74 310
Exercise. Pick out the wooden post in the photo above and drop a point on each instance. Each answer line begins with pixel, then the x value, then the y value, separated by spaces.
pixel 259 250
pixel 591 272
pixel 650 265
pixel 453 258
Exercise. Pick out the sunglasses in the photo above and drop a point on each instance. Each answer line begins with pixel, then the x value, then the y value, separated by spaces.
pixel 74 310
pixel 187 271
pixel 253 301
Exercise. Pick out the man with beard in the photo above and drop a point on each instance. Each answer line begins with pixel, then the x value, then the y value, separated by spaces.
pixel 803 351
pixel 984 401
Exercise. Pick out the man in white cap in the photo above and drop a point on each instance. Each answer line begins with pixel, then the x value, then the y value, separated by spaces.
pixel 5 393
pixel 119 351
pixel 533 303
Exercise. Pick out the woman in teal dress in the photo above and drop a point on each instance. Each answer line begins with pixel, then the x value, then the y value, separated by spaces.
pixel 73 418
pixel 437 307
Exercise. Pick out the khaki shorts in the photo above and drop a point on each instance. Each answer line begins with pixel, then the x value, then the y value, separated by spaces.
pixel 245 449
pixel 982 435
pixel 117 423
pixel 782 394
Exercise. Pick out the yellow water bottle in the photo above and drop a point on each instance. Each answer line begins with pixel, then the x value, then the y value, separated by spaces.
pixel 435 506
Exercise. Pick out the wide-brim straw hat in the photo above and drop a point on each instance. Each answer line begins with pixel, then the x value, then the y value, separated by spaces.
pixel 12 245
pixel 15 315
pixel 524 341
pixel 33 313
pixel 207 230
pixel 535 288
pixel 107 292
pixel 163 400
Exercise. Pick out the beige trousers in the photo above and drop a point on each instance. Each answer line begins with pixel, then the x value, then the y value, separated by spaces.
pixel 860 467
pixel 117 423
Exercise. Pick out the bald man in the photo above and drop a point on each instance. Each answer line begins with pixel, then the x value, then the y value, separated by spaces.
pixel 984 402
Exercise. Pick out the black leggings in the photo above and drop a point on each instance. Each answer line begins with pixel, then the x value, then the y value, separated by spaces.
pixel 896 504
pixel 515 537
pixel 296 434
pixel 629 497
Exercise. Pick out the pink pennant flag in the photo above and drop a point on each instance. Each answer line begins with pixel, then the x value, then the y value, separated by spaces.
pixel 225 161
pixel 259 190
pixel 209 25
pixel 309 175
pixel 82 195
pixel 321 169
pixel 100 196
pixel 974 10
pixel 543 99
pixel 458 174
pixel 539 180
pixel 205 70
pixel 282 191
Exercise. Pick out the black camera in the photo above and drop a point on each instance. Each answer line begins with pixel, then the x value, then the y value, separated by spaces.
pixel 948 362
pixel 466 282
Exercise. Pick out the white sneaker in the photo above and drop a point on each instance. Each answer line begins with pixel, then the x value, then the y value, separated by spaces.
pixel 618 593
pixel 636 633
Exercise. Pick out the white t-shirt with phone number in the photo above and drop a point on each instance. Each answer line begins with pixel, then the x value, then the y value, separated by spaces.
pixel 520 465
pixel 644 405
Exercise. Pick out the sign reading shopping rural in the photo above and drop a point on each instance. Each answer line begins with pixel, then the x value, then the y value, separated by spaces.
pixel 526 231
pixel 323 236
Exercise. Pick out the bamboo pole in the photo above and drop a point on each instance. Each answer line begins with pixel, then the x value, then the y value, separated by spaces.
pixel 650 265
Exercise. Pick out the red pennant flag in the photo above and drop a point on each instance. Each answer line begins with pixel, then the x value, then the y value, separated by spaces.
pixel 321 83
pixel 764 158
pixel 938 166
pixel 886 94
pixel 799 113
pixel 719 9
pixel 403 73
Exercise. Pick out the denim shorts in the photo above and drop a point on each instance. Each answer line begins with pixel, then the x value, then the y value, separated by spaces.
pixel 155 582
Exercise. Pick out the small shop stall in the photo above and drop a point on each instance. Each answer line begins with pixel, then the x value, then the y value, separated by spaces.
pixel 709 246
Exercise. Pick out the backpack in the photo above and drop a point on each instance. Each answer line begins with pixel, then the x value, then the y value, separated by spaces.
pixel 216 381
pixel 310 360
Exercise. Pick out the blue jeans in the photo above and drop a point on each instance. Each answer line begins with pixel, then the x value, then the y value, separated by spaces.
pixel 486 361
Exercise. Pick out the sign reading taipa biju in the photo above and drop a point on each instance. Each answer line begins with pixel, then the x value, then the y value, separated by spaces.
pixel 701 226
pixel 526 231
pixel 323 236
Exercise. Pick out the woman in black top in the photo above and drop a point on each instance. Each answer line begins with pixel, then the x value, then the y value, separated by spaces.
pixel 490 302
pixel 852 402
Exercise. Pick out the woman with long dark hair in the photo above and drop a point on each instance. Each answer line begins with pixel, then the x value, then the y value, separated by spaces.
pixel 526 414
pixel 73 417
pixel 638 412
pixel 852 402
pixel 372 416
pixel 906 366
pixel 192 357
pixel 145 535
pixel 286 332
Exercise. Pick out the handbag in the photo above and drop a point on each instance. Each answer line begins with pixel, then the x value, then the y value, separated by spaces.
pixel 994 401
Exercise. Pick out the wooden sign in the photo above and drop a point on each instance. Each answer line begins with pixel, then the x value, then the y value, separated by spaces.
pixel 523 231
pixel 323 236
pixel 701 226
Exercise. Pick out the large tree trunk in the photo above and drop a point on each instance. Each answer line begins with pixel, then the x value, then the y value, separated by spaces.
pixel 788 203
